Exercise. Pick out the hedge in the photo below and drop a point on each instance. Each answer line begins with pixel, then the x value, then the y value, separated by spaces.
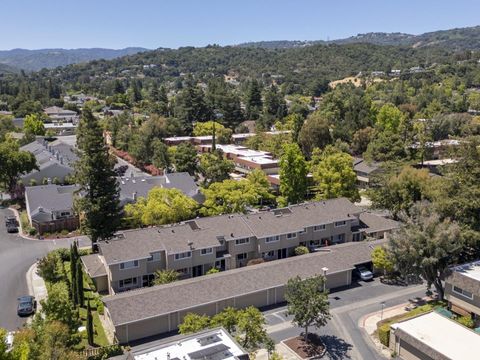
pixel 384 334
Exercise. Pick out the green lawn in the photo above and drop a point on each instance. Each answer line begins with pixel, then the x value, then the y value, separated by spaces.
pixel 99 334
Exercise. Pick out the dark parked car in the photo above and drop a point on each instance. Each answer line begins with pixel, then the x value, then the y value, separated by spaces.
pixel 26 305
pixel 11 220
pixel 12 229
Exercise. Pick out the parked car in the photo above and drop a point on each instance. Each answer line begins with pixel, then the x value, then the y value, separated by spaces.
pixel 12 229
pixel 363 273
pixel 9 340
pixel 11 220
pixel 27 305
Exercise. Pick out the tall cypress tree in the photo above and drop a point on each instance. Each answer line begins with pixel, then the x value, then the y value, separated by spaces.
pixel 99 203
pixel 73 274
pixel 79 278
pixel 89 325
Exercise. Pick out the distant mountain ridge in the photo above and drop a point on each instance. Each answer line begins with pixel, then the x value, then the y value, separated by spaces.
pixel 34 60
pixel 453 39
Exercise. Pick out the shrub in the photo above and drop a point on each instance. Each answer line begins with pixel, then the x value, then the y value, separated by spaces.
pixel 384 334
pixel 100 306
pixel 212 271
pixel 64 232
pixel 301 250
pixel 466 321
pixel 107 352
pixel 83 252
pixel 31 231
pixel 255 261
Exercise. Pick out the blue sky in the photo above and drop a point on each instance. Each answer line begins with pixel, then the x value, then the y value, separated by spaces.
pixel 35 24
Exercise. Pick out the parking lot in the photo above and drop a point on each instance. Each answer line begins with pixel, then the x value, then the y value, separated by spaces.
pixel 342 335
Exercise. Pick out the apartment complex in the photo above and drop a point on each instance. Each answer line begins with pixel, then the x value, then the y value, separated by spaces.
pixel 229 241
pixel 462 290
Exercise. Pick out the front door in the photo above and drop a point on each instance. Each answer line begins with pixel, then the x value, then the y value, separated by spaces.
pixel 197 270
pixel 282 253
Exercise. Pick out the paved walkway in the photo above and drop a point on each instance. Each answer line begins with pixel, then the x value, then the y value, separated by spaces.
pixel 282 349
pixel 36 285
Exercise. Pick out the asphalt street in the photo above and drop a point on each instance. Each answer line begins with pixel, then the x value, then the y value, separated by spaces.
pixel 342 335
pixel 16 257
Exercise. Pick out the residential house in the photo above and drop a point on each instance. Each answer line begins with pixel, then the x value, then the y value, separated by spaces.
pixel 58 115
pixel 55 160
pixel 50 207
pixel 433 336
pixel 214 344
pixel 462 290
pixel 157 310
pixel 364 171
pixel 230 241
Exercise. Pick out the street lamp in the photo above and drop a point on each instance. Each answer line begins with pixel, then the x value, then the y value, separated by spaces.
pixel 325 269
pixel 383 305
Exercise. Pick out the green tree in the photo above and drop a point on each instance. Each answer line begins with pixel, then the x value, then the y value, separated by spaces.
pixel 381 260
pixel 307 302
pixel 4 355
pixel 251 328
pixel 185 158
pixel 190 106
pixel 390 119
pixel 400 192
pixel 214 167
pixel 160 156
pixel 232 196
pixel 222 134
pixel 361 139
pixel 253 100
pixel 79 287
pixel 14 163
pixel 58 305
pixel 90 332
pixel 165 277
pixel 193 323
pixel 162 206
pixel 99 204
pixel 227 318
pixel 426 245
pixel 293 174
pixel 334 176
pixel 386 146
pixel 315 132
pixel 33 125
pixel 6 126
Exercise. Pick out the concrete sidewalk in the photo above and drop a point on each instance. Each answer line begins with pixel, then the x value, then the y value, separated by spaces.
pixel 282 349
pixel 369 322
pixel 36 285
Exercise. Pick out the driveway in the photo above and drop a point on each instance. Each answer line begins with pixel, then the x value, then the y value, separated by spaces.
pixel 342 335
pixel 16 257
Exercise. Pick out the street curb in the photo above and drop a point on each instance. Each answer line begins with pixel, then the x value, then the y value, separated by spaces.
pixel 28 276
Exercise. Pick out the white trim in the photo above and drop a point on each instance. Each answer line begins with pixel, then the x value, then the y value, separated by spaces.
pixel 183 257
pixel 273 238
pixel 461 293
pixel 247 241
pixel 341 221
pixel 130 267
pixel 324 227
pixel 206 253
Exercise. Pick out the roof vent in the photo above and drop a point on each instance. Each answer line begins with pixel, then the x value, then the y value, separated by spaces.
pixel 173 231
pixel 231 234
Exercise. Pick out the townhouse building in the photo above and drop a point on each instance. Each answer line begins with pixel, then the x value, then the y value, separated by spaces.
pixel 462 290
pixel 229 241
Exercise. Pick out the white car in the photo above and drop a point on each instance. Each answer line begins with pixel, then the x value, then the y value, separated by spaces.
pixel 364 273
pixel 9 340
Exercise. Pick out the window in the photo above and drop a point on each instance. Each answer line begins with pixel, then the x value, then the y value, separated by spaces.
pixel 129 265
pixel 65 213
pixel 462 292
pixel 303 231
pixel 206 251
pixel 127 282
pixel 242 241
pixel 291 236
pixel 271 239
pixel 147 279
pixel 319 227
pixel 183 255
pixel 154 257
pixel 268 255
pixel 340 223
pixel 242 256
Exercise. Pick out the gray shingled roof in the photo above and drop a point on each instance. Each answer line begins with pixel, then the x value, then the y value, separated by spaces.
pixel 139 243
pixel 377 223
pixel 50 198
pixel 150 302
pixel 301 216
pixel 364 166
pixel 94 265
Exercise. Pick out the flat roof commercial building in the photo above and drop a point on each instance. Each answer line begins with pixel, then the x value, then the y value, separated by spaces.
pixel 160 309
pixel 462 290
pixel 434 337
pixel 213 344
